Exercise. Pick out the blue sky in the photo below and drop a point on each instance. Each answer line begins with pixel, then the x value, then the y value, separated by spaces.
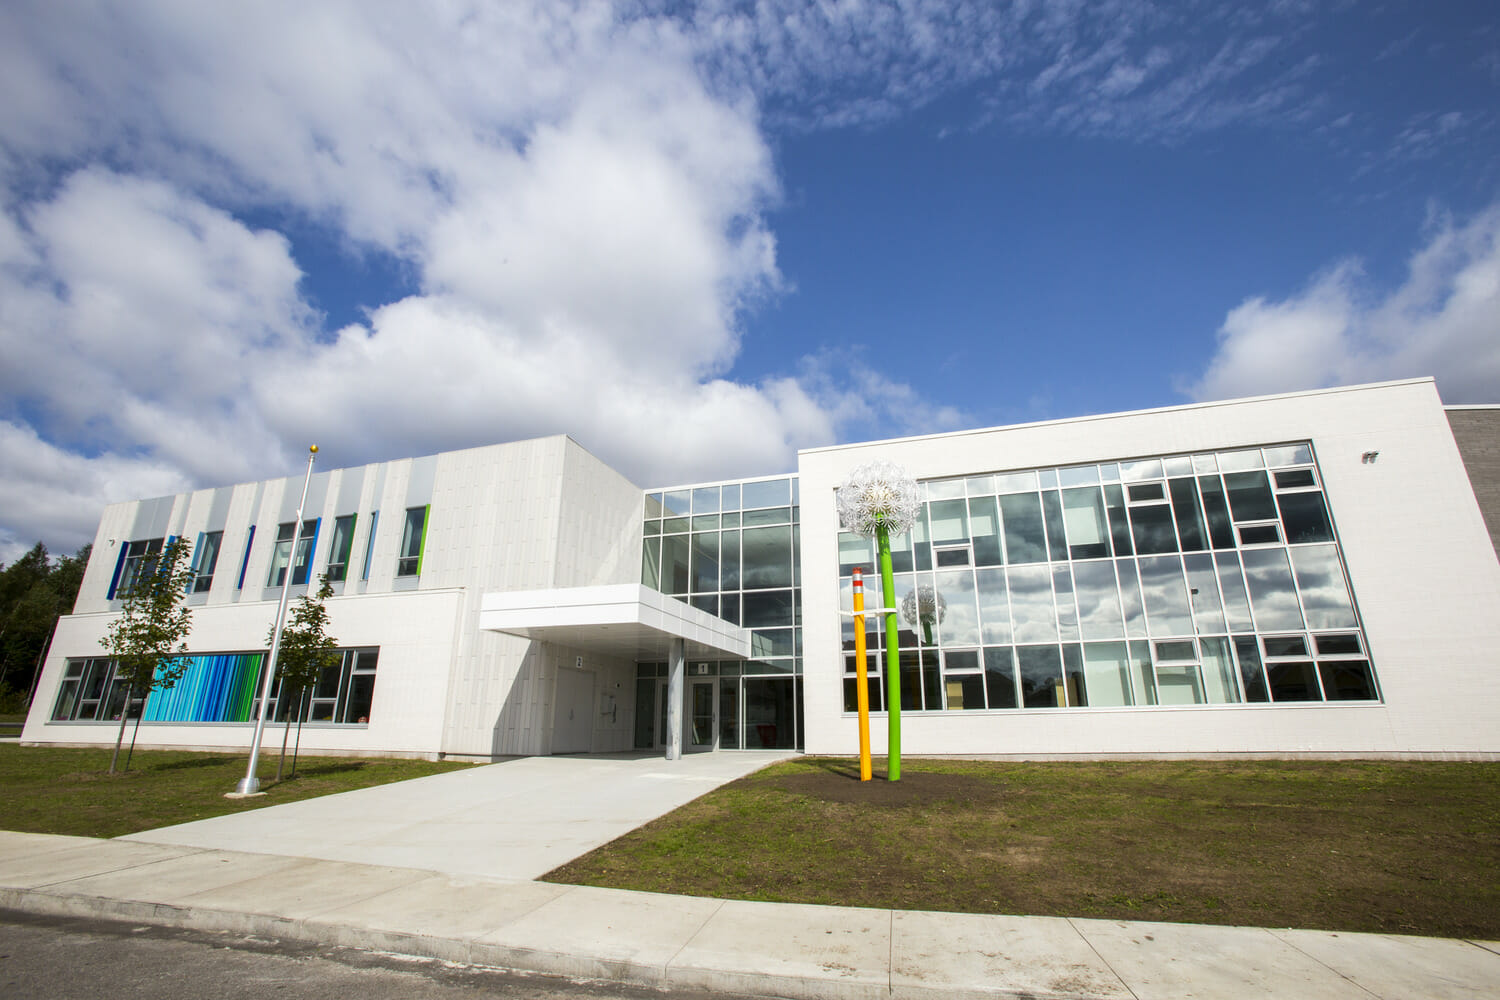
pixel 700 236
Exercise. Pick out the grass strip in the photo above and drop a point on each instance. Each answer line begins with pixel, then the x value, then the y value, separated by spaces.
pixel 1397 847
pixel 68 791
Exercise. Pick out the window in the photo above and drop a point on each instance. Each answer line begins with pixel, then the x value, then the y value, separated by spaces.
pixel 413 534
pixel 338 553
pixel 91 692
pixel 136 560
pixel 283 553
pixel 205 559
pixel 1186 580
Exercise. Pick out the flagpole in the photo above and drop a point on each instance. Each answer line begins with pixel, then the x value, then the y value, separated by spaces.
pixel 250 784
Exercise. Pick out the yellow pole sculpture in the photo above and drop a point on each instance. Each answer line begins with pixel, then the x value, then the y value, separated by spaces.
pixel 862 688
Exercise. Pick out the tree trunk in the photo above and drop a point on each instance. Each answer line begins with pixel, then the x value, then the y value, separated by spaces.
pixel 134 732
pixel 301 714
pixel 286 730
pixel 120 737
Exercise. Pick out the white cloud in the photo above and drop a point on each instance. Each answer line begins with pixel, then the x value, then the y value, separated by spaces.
pixel 581 210
pixel 1442 321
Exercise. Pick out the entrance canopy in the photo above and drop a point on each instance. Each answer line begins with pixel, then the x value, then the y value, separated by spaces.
pixel 626 620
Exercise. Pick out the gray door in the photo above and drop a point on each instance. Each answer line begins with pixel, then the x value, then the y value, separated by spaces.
pixel 573 714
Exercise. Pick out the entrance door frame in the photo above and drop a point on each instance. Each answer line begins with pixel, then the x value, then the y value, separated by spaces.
pixel 659 715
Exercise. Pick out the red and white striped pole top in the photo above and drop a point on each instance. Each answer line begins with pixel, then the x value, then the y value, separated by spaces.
pixel 859 580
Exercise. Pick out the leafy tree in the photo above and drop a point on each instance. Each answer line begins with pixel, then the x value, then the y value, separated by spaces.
pixel 147 641
pixel 33 593
pixel 306 651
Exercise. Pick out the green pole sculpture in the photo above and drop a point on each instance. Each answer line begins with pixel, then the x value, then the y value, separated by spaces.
pixel 877 500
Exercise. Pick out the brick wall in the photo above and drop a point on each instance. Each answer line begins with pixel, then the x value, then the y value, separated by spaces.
pixel 1477 431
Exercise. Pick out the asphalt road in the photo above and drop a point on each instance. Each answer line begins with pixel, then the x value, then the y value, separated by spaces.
pixel 57 958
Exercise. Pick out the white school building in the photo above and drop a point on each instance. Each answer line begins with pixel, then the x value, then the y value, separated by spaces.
pixel 1307 574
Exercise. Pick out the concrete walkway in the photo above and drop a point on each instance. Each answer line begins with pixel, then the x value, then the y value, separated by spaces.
pixel 432 905
pixel 518 819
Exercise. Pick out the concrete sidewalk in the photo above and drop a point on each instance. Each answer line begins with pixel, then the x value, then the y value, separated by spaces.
pixel 759 948
pixel 518 819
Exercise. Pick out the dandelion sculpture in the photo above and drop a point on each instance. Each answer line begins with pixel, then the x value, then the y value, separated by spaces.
pixel 923 606
pixel 877 500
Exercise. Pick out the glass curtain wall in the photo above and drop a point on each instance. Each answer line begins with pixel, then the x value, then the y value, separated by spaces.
pixel 1175 580
pixel 733 550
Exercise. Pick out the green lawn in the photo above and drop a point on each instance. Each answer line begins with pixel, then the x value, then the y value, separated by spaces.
pixel 51 790
pixel 1411 848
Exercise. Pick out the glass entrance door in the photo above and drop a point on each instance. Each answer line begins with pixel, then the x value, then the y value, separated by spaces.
pixel 700 734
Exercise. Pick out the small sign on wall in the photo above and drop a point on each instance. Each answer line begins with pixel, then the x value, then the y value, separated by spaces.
pixel 578 662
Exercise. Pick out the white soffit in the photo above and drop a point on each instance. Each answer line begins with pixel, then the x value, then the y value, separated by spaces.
pixel 626 620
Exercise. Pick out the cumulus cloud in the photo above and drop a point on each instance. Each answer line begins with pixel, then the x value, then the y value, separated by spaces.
pixel 1443 320
pixel 582 212
pixel 578 190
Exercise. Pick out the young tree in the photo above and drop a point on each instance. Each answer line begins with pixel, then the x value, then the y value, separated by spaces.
pixel 306 650
pixel 147 641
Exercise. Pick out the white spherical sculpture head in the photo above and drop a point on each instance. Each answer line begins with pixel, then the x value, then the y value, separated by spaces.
pixel 923 606
pixel 878 495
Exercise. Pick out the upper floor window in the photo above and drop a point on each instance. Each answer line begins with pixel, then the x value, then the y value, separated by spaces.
pixel 412 537
pixel 338 553
pixel 206 558
pixel 140 558
pixel 283 553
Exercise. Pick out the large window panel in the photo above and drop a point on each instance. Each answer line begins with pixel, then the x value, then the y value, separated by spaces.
pixel 1320 579
pixel 674 564
pixel 1025 538
pixel 1347 680
pixel 1106 667
pixel 1130 596
pixel 855 551
pixel 994 605
pixel 1232 585
pixel 1252 673
pixel 1273 595
pixel 1041 676
pixel 705 564
pixel 984 527
pixel 1119 522
pixel 1142 678
pixel 1067 610
pixel 768 609
pixel 1305 517
pixel 1083 516
pixel 767 558
pixel 1098 600
pixel 963 683
pixel 1203 589
pixel 1152 529
pixel 1218 672
pixel 1000 677
pixel 960 624
pixel 1293 681
pixel 1178 684
pixel 1057 542
pixel 950 521
pixel 1216 510
pixel 729 560
pixel 1250 496
pixel 1166 595
pixel 1033 617
pixel 1189 517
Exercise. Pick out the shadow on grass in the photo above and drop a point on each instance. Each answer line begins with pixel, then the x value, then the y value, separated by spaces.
pixel 193 762
pixel 320 770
